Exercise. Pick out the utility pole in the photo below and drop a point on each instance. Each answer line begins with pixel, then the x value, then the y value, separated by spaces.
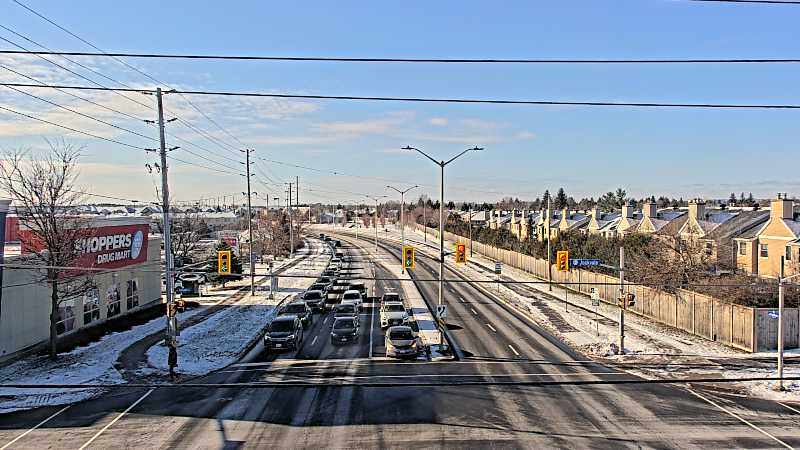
pixel 549 253
pixel 375 218
pixel 621 307
pixel 291 227
pixel 297 191
pixel 402 218
pixel 470 230
pixel 424 223
pixel 250 223
pixel 780 326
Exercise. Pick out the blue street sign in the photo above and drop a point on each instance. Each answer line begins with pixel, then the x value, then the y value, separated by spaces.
pixel 772 314
pixel 584 262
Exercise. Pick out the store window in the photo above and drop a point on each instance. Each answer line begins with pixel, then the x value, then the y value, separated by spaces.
pixel 66 316
pixel 91 306
pixel 132 294
pixel 113 300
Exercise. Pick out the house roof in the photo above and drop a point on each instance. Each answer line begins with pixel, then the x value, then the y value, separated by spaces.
pixel 610 225
pixel 737 224
pixel 673 227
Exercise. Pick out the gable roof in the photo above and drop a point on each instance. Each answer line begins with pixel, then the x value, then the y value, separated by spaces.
pixel 738 224
pixel 673 227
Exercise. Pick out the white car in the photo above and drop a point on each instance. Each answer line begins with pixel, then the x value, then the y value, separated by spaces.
pixel 393 313
pixel 352 296
pixel 401 341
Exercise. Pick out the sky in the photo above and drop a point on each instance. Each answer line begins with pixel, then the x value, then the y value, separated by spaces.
pixel 354 147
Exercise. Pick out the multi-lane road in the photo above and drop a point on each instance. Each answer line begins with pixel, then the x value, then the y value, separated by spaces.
pixel 415 403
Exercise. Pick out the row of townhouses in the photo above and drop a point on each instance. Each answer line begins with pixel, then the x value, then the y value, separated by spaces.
pixel 753 240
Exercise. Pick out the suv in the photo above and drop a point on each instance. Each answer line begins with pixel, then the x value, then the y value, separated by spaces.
pixel 352 296
pixel 393 313
pixel 400 341
pixel 284 333
pixel 344 329
pixel 315 299
pixel 360 287
pixel 301 310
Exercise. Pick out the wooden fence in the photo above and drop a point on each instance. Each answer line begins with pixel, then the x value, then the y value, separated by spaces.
pixel 742 327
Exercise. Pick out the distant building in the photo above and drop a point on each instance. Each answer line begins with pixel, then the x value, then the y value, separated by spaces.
pixel 759 252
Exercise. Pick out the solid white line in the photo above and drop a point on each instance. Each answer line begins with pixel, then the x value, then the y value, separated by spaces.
pixel 731 413
pixel 371 329
pixel 116 419
pixel 473 311
pixel 37 426
pixel 491 327
pixel 782 404
pixel 513 349
pixel 314 340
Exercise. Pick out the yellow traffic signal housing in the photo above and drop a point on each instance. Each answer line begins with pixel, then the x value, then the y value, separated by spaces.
pixel 562 261
pixel 461 253
pixel 224 262
pixel 630 299
pixel 409 253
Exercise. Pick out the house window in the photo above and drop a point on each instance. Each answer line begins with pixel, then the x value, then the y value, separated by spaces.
pixel 742 248
pixel 132 294
pixel 112 300
pixel 91 306
pixel 788 253
pixel 763 250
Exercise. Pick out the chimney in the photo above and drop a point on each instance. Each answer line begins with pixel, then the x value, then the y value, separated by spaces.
pixel 649 209
pixel 697 209
pixel 565 213
pixel 627 210
pixel 513 215
pixel 524 218
pixel 595 213
pixel 782 208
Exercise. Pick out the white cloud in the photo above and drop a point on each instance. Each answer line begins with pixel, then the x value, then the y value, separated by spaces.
pixel 438 121
pixel 525 135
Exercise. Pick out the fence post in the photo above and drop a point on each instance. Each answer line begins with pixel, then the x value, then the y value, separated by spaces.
pixel 711 330
pixel 694 326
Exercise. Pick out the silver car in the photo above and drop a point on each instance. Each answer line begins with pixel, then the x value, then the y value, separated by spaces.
pixel 401 342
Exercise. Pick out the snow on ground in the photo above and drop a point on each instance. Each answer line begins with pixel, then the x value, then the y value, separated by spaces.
pixel 669 352
pixel 223 338
pixel 90 364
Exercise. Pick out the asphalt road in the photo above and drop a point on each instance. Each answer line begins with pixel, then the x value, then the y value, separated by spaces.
pixel 497 346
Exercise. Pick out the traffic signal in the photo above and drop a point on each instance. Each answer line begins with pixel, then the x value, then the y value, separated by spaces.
pixel 224 262
pixel 461 253
pixel 627 300
pixel 408 257
pixel 562 261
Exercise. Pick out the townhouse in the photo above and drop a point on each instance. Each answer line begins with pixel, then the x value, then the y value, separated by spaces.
pixel 760 250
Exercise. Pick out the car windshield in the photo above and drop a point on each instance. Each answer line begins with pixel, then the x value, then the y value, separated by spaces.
pixel 345 308
pixel 312 295
pixel 296 308
pixel 401 335
pixel 282 326
pixel 344 324
pixel 394 308
pixel 357 285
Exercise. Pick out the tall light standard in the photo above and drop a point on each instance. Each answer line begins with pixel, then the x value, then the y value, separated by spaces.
pixel 250 237
pixel 441 165
pixel 402 217
pixel 375 217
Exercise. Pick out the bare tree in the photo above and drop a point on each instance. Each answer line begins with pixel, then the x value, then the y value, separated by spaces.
pixel 672 261
pixel 187 230
pixel 44 193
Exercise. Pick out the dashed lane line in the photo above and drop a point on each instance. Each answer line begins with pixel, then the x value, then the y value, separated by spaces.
pixel 35 427
pixel 102 430
pixel 473 311
pixel 491 327
pixel 782 404
pixel 513 350
pixel 313 341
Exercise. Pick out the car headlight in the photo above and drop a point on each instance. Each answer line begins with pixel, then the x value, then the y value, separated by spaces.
pixel 267 338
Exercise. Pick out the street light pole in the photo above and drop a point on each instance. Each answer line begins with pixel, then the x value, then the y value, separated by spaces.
pixel 441 165
pixel 402 217
pixel 470 230
pixel 375 218
pixel 250 223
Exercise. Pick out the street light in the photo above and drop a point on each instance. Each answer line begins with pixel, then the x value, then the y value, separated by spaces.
pixel 402 217
pixel 441 165
pixel 375 217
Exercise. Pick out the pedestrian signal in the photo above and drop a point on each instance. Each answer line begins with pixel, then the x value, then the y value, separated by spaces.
pixel 461 253
pixel 562 261
pixel 408 257
pixel 224 262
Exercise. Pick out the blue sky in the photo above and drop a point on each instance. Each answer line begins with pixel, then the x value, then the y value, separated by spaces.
pixel 588 151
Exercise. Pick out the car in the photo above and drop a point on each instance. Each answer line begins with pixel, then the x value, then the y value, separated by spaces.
pixel 325 279
pixel 322 235
pixel 329 273
pixel 345 310
pixel 344 329
pixel 319 287
pixel 360 287
pixel 284 333
pixel 337 243
pixel 353 296
pixel 339 254
pixel 301 310
pixel 315 299
pixel 327 238
pixel 401 342
pixel 391 297
pixel 336 261
pixel 393 313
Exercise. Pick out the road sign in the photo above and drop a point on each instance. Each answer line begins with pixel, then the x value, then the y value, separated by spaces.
pixel 562 261
pixel 441 311
pixel 409 256
pixel 498 267
pixel 584 262
pixel 224 262
pixel 773 314
pixel 595 297
pixel 461 253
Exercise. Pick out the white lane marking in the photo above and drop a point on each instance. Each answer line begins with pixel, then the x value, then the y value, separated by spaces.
pixel 371 329
pixel 326 320
pixel 782 404
pixel 732 414
pixel 461 299
pixel 513 350
pixel 491 327
pixel 473 311
pixel 37 426
pixel 314 340
pixel 116 419
pixel 286 376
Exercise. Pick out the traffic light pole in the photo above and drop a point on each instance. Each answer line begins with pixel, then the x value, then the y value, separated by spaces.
pixel 621 350
pixel 291 227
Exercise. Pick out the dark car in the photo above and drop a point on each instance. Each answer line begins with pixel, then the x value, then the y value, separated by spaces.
pixel 329 273
pixel 327 238
pixel 358 286
pixel 301 310
pixel 315 299
pixel 322 235
pixel 337 243
pixel 345 310
pixel 339 254
pixel 320 287
pixel 326 280
pixel 284 333
pixel 344 329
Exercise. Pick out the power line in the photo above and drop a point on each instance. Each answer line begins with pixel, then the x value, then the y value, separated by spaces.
pixel 203 166
pixel 442 60
pixel 445 100
pixel 769 2
pixel 71 129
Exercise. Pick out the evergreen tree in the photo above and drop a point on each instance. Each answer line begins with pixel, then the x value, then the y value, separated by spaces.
pixel 561 199
pixel 750 200
pixel 732 199
pixel 545 198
